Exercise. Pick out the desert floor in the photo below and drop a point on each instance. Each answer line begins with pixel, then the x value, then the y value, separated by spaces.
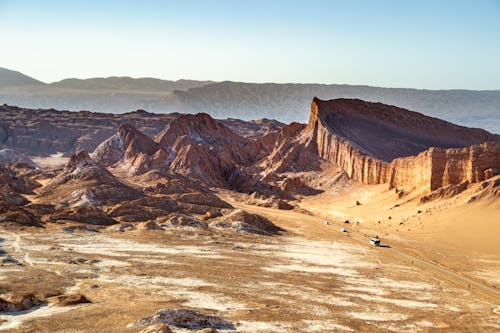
pixel 312 278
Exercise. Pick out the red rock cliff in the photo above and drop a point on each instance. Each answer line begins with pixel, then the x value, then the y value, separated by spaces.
pixel 376 143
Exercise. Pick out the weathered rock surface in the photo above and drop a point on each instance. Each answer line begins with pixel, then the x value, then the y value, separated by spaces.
pixel 83 182
pixel 19 216
pixel 182 221
pixel 68 300
pixel 10 156
pixel 186 319
pixel 12 183
pixel 204 149
pixel 242 221
pixel 437 167
pixel 127 143
pixel 48 131
pixel 445 192
pixel 18 302
pixel 87 214
pixel 489 190
pixel 373 143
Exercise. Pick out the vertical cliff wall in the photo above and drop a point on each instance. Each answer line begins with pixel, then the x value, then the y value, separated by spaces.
pixel 334 148
pixel 389 132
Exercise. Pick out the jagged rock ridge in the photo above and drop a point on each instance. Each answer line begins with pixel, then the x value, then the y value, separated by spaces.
pixel 372 142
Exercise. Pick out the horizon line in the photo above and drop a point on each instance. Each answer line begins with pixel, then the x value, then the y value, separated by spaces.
pixel 249 82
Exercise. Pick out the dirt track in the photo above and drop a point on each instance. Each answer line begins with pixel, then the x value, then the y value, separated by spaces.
pixel 320 228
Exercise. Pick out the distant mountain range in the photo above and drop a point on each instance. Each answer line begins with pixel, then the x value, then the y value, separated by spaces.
pixel 10 78
pixel 284 102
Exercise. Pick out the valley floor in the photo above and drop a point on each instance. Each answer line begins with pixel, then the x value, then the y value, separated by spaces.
pixel 313 278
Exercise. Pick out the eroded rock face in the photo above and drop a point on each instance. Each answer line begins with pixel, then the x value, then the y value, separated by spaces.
pixel 10 156
pixel 39 132
pixel 374 143
pixel 242 221
pixel 204 148
pixel 18 302
pixel 436 167
pixel 87 214
pixel 490 189
pixel 445 192
pixel 126 143
pixel 19 216
pixel 68 300
pixel 13 184
pixel 11 181
pixel 83 182
pixel 186 319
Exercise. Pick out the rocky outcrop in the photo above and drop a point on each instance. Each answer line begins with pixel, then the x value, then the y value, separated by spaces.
pixel 254 128
pixel 203 148
pixel 10 156
pixel 435 168
pixel 82 214
pixel 49 131
pixel 127 143
pixel 445 192
pixel 19 216
pixel 185 319
pixel 375 143
pixel 69 300
pixel 83 182
pixel 242 221
pixel 489 189
pixel 18 302
pixel 13 185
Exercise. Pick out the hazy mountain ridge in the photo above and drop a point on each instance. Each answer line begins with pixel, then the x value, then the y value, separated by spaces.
pixel 10 78
pixel 284 102
pixel 126 83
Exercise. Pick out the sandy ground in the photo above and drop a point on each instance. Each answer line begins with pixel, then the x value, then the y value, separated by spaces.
pixel 311 279
pixel 49 162
pixel 459 235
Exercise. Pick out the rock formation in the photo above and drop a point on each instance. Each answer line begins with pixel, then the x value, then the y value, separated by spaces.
pixel 165 182
pixel 127 143
pixel 18 302
pixel 203 148
pixel 10 156
pixel 49 131
pixel 375 143
pixel 185 319
pixel 13 185
pixel 437 167
pixel 83 182
pixel 242 221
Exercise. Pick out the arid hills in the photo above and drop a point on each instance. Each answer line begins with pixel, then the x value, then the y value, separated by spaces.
pixel 371 143
pixel 184 222
pixel 285 102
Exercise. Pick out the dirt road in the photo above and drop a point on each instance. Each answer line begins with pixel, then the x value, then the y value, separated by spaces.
pixel 444 272
pixel 313 226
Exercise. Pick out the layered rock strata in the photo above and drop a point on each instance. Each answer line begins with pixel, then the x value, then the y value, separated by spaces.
pixel 376 143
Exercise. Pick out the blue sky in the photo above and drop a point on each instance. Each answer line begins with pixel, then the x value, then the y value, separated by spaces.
pixel 421 44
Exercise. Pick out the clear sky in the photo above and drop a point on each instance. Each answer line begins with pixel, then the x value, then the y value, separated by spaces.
pixel 439 44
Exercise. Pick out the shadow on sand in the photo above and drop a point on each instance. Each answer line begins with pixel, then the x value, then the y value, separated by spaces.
pixel 6 258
